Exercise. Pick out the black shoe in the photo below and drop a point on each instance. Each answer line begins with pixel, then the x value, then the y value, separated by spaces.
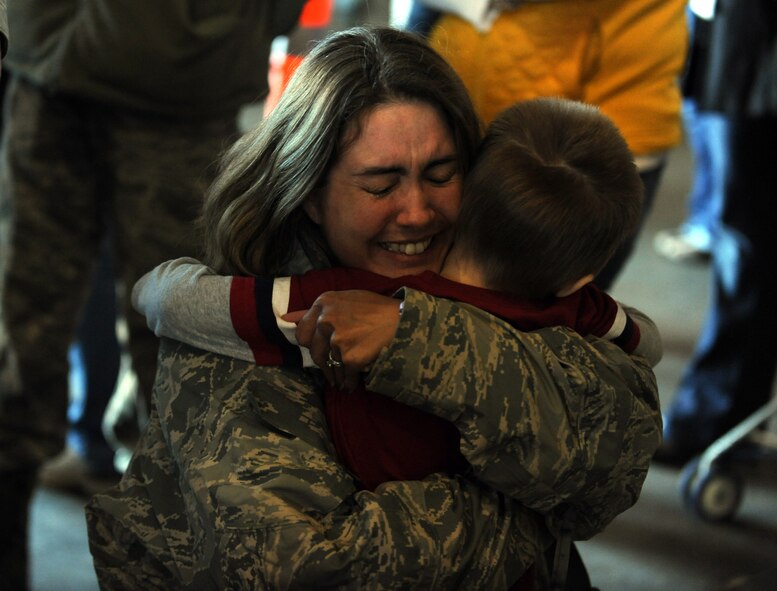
pixel 70 472
pixel 15 496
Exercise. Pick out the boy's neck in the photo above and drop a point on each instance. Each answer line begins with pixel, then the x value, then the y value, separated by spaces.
pixel 461 269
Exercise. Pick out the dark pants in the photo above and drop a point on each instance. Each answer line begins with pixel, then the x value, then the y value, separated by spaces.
pixel 64 161
pixel 732 370
pixel 97 360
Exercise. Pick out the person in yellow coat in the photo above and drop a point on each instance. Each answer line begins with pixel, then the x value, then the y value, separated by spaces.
pixel 624 57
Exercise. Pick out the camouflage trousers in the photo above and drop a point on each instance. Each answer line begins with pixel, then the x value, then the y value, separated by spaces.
pixel 69 170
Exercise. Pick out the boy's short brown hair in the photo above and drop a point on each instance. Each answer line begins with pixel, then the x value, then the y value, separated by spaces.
pixel 554 191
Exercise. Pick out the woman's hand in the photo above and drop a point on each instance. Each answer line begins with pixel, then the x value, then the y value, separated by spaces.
pixel 350 327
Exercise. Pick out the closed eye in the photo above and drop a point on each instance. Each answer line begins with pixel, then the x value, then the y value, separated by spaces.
pixel 381 191
pixel 442 173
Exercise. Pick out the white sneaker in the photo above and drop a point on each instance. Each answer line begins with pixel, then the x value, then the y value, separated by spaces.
pixel 680 245
pixel 69 472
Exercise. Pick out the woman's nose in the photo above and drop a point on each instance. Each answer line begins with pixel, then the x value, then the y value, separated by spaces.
pixel 415 207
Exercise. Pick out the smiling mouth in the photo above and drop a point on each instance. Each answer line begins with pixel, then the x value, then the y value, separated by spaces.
pixel 407 248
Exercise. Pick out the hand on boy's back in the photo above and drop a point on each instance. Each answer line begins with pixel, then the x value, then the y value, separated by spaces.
pixel 354 325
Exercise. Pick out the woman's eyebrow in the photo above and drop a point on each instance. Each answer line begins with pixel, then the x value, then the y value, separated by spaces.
pixel 442 161
pixel 380 170
pixel 383 170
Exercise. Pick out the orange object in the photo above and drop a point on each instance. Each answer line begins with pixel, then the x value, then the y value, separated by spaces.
pixel 316 14
pixel 290 65
pixel 280 72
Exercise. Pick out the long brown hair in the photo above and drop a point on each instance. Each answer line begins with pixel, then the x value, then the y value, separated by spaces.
pixel 252 214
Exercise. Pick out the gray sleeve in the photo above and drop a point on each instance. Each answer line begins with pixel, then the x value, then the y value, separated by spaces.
pixel 650 345
pixel 187 301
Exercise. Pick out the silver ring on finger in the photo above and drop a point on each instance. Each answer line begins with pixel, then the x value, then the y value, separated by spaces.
pixel 332 363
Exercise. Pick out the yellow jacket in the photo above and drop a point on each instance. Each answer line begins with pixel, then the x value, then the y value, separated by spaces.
pixel 624 56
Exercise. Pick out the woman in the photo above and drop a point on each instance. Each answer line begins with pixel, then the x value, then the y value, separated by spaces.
pixel 234 484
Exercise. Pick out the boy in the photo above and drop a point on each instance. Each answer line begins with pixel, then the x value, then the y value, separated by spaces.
pixel 554 181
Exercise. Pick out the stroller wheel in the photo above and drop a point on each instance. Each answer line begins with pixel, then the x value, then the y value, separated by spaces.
pixel 713 495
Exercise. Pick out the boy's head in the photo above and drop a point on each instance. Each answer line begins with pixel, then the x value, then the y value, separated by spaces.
pixel 554 191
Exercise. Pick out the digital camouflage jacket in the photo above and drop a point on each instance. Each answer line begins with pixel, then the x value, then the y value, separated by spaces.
pixel 235 486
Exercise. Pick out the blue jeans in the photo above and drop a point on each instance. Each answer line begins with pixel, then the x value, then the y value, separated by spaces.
pixel 732 371
pixel 706 132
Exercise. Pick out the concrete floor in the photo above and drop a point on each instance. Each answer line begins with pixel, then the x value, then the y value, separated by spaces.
pixel 657 545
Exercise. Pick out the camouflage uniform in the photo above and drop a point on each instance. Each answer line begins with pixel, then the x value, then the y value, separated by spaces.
pixel 69 167
pixel 235 484
pixel 115 113
pixel 110 123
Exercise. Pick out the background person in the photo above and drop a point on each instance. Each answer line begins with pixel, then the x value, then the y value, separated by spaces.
pixel 705 132
pixel 731 373
pixel 248 480
pixel 116 109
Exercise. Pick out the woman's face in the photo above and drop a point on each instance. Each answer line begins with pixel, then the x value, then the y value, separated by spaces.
pixel 391 199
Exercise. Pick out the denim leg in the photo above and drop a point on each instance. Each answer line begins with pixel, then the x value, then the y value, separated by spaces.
pixel 732 370
pixel 706 132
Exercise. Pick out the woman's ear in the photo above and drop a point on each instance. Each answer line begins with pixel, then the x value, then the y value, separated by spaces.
pixel 312 207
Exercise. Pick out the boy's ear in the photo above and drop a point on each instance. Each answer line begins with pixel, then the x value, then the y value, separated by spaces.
pixel 312 207
pixel 574 286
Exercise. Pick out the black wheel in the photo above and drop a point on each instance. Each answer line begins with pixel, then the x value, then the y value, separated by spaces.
pixel 716 494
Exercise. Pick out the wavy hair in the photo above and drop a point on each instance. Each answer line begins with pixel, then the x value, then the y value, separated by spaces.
pixel 252 213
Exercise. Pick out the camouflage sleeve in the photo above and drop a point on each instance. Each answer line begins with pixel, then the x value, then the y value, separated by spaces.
pixel 235 486
pixel 549 418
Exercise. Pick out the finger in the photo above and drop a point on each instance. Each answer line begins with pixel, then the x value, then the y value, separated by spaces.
pixel 306 327
pixel 295 316
pixel 338 370
pixel 333 369
pixel 320 344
